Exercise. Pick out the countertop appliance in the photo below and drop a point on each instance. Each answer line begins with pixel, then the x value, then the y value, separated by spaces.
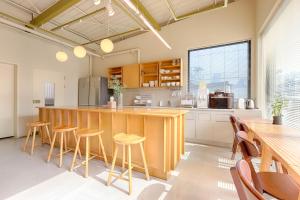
pixel 221 100
pixel 241 103
pixel 93 91
pixel 142 100
pixel 250 104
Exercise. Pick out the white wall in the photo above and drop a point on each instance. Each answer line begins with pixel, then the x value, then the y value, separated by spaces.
pixel 231 24
pixel 265 10
pixel 30 53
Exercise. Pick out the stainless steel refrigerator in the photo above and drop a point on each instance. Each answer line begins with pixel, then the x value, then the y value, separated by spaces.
pixel 93 91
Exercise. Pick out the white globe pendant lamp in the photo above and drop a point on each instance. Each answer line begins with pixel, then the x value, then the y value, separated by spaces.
pixel 61 56
pixel 107 45
pixel 79 51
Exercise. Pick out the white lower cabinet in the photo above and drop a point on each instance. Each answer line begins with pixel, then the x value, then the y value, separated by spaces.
pixel 213 126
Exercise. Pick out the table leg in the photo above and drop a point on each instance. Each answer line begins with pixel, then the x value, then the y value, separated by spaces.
pixel 266 158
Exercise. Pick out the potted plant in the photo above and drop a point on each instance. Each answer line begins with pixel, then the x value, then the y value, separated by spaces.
pixel 277 106
pixel 117 88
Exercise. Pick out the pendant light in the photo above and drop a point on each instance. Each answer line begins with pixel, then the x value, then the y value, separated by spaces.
pixel 61 56
pixel 79 52
pixel 106 44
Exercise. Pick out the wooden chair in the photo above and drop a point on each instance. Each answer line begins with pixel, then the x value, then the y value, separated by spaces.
pixel 278 185
pixel 241 175
pixel 64 148
pixel 235 127
pixel 126 140
pixel 87 134
pixel 32 130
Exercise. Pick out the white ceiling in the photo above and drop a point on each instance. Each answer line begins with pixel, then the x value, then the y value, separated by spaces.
pixel 99 25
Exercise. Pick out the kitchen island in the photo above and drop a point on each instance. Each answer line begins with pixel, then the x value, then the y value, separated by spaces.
pixel 162 128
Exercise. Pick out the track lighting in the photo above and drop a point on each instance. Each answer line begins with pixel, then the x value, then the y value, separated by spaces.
pixel 110 9
pixel 97 2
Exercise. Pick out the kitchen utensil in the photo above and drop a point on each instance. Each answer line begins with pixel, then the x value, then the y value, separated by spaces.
pixel 250 104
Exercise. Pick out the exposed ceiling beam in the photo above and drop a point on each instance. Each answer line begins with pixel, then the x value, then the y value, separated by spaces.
pixel 146 13
pixel 129 14
pixel 53 11
pixel 79 18
pixel 210 7
pixel 112 36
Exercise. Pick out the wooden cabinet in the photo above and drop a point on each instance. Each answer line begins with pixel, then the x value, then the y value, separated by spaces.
pixel 131 76
pixel 165 73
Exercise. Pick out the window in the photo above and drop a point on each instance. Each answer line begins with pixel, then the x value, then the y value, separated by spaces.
pixel 224 67
pixel 281 62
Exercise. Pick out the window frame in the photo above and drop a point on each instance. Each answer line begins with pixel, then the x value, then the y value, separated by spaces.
pixel 224 45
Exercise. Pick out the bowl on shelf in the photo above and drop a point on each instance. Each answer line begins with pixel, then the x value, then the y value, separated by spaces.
pixel 146 84
pixel 177 83
pixel 173 83
pixel 168 84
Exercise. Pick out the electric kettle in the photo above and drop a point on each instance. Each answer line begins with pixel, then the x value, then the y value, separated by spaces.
pixel 250 104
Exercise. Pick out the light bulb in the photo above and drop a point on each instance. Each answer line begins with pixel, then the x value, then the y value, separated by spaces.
pixel 107 45
pixel 61 56
pixel 79 51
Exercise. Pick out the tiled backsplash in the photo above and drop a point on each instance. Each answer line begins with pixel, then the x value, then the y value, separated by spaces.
pixel 167 96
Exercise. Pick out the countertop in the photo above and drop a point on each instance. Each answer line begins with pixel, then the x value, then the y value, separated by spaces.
pixel 147 111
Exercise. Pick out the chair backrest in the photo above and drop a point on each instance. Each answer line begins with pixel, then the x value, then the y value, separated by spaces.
pixel 243 127
pixel 246 180
pixel 234 124
pixel 248 148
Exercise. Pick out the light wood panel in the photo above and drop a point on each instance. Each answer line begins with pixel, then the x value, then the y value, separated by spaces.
pixel 163 130
pixel 280 142
pixel 131 76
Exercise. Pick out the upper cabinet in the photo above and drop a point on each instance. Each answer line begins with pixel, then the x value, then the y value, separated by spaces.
pixel 166 73
pixel 131 76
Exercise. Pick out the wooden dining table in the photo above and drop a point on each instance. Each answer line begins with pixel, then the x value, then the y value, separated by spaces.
pixel 278 142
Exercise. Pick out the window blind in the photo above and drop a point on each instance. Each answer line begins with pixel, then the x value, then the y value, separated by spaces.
pixel 281 59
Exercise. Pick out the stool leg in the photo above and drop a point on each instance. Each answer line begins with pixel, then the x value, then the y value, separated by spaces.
pixel 65 142
pixel 76 140
pixel 27 138
pixel 48 134
pixel 124 157
pixel 75 153
pixel 61 148
pixel 101 147
pixel 41 133
pixel 144 161
pixel 112 165
pixel 87 152
pixel 52 146
pixel 129 169
pixel 33 140
pixel 234 148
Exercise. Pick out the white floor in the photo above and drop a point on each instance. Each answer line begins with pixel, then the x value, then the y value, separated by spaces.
pixel 203 173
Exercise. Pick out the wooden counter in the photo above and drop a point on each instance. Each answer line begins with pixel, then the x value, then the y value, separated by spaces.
pixel 163 129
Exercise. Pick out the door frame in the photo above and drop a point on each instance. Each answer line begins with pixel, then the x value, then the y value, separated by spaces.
pixel 15 97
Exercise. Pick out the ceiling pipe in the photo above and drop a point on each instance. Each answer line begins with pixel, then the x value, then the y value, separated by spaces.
pixel 211 7
pixel 31 12
pixel 137 50
pixel 42 33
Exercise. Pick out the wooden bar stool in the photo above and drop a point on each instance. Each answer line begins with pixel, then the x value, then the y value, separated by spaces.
pixel 33 128
pixel 63 131
pixel 87 134
pixel 126 140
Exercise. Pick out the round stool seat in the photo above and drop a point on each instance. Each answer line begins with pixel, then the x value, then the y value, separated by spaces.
pixel 38 124
pixel 89 133
pixel 64 128
pixel 128 139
